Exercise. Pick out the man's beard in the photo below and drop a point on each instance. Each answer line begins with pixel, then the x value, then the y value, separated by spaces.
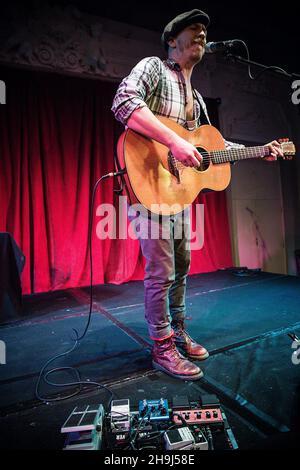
pixel 195 56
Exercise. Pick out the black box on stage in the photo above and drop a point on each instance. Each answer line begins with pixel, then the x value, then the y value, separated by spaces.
pixel 12 262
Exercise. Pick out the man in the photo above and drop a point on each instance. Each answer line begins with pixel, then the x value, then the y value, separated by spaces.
pixel 164 88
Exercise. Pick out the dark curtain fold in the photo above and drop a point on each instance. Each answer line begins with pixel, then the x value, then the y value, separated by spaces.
pixel 57 137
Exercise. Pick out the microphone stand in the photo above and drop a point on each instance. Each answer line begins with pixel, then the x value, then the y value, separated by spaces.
pixel 242 60
pixel 264 68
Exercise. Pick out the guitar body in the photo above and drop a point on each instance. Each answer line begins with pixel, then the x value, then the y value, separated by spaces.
pixel 149 179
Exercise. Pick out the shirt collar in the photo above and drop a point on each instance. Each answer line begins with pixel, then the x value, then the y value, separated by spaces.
pixel 173 65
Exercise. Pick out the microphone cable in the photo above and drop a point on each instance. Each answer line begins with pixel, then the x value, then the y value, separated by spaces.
pixel 259 74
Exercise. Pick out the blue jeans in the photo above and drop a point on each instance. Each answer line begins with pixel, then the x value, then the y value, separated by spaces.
pixel 165 244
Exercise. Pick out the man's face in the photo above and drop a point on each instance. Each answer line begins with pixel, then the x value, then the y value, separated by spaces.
pixel 190 42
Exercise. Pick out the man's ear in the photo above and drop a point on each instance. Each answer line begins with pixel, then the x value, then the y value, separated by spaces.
pixel 172 43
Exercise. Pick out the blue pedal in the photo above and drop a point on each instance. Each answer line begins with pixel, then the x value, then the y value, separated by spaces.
pixel 154 410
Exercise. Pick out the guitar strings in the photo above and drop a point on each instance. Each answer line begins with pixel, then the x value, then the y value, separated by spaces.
pixel 227 155
pixel 222 154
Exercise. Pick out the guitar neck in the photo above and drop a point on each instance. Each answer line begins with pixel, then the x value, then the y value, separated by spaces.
pixel 233 155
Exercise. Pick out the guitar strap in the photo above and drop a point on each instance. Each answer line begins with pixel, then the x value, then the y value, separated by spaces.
pixel 204 119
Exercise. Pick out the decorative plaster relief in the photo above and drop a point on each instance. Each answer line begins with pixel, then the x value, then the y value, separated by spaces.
pixel 55 38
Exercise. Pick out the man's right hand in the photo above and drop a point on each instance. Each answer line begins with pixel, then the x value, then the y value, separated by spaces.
pixel 146 123
pixel 185 152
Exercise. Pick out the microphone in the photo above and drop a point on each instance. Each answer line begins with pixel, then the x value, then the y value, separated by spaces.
pixel 212 47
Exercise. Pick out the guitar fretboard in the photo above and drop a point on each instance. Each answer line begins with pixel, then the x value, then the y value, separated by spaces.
pixel 233 155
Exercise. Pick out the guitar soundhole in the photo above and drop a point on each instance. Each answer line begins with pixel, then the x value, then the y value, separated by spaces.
pixel 206 159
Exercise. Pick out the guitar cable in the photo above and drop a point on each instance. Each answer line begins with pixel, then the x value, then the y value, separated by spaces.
pixel 78 382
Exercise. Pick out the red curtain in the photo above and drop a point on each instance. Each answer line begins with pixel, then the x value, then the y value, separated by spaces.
pixel 57 137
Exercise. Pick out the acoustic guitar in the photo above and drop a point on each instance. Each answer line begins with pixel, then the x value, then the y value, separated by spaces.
pixel 162 184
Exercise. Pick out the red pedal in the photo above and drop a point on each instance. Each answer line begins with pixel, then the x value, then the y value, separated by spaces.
pixel 200 416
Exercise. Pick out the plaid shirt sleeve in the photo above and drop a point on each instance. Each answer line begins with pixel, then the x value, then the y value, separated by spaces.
pixel 137 88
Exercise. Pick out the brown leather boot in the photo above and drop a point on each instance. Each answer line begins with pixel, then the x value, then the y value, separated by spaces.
pixel 165 357
pixel 189 347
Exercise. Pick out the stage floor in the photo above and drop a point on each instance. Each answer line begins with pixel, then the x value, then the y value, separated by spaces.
pixel 243 321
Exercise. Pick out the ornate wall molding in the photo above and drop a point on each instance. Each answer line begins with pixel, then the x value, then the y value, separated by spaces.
pixel 60 39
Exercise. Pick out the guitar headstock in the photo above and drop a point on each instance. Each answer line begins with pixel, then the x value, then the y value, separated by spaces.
pixel 288 148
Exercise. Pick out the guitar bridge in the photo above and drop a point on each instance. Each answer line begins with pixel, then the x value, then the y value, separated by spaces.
pixel 173 169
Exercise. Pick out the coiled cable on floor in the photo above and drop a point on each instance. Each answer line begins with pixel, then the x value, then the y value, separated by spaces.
pixel 78 382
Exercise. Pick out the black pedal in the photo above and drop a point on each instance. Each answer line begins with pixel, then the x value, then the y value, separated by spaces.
pixel 210 401
pixel 181 403
pixel 117 440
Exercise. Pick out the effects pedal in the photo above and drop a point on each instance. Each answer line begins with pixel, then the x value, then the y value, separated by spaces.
pixel 120 416
pixel 207 416
pixel 154 410
pixel 117 440
pixel 206 411
pixel 84 428
pixel 185 438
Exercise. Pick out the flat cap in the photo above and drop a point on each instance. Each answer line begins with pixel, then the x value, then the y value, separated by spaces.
pixel 182 21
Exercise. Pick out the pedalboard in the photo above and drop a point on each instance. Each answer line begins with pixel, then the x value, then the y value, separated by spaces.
pixel 187 424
